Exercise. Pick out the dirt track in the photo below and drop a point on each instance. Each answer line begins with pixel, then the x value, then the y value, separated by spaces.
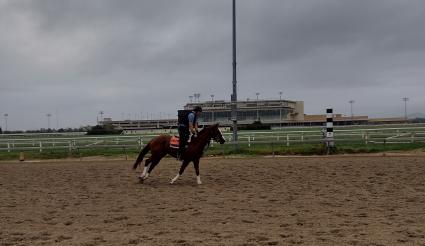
pixel 263 201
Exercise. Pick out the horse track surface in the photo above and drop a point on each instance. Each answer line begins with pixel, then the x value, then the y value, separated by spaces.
pixel 248 201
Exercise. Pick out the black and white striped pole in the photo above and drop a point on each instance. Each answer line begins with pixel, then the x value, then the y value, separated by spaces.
pixel 329 139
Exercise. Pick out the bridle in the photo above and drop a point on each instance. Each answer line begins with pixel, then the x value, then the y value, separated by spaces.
pixel 217 136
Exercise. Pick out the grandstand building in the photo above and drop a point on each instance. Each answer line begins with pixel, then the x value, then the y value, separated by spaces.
pixel 276 113
pixel 271 112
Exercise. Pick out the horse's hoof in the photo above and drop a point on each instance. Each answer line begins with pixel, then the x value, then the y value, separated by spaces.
pixel 141 180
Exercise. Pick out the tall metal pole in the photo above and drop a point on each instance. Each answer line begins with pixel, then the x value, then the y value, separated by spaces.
pixel 101 115
pixel 280 111
pixel 212 108
pixel 48 120
pixel 5 118
pixel 405 99
pixel 258 114
pixel 351 107
pixel 57 119
pixel 234 97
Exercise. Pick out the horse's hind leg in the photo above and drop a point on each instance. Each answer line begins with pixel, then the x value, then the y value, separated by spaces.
pixel 182 168
pixel 147 166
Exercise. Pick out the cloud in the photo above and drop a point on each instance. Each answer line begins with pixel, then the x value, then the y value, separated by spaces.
pixel 81 57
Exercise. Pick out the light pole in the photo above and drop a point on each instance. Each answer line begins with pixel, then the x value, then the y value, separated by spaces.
pixel 405 99
pixel 258 113
pixel 5 119
pixel 351 108
pixel 101 115
pixel 280 111
pixel 57 119
pixel 196 96
pixel 48 120
pixel 212 108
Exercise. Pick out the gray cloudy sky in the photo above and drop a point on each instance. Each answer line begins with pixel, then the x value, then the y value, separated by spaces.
pixel 133 57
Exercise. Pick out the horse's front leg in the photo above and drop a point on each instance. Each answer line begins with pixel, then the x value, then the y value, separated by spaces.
pixel 182 168
pixel 196 165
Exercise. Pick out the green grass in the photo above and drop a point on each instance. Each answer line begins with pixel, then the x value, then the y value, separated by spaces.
pixel 307 143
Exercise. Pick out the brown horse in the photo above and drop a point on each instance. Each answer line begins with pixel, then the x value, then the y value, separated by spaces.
pixel 160 147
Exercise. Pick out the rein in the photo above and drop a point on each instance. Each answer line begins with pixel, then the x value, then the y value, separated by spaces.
pixel 204 133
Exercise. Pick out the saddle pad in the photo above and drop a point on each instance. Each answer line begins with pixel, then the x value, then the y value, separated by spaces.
pixel 174 142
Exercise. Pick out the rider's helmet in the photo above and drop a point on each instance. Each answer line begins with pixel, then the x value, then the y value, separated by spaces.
pixel 197 109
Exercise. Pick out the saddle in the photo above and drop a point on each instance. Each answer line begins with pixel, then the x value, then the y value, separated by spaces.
pixel 175 142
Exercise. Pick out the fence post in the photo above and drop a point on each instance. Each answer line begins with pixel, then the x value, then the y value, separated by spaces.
pixel 235 146
pixel 330 144
pixel 366 136
pixel 302 137
pixel 287 139
pixel 249 141
pixel 125 153
pixel 8 147
pixel 412 137
pixel 41 147
pixel 139 141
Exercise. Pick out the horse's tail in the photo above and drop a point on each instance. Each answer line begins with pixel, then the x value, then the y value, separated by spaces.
pixel 142 154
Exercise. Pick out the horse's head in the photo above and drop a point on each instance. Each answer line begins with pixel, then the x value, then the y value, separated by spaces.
pixel 215 134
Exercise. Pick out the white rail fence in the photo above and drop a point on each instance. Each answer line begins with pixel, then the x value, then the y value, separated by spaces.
pixel 343 136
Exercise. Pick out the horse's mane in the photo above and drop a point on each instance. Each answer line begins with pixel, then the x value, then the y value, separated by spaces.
pixel 205 129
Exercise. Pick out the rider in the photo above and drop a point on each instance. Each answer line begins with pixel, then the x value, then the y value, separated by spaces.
pixel 187 127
